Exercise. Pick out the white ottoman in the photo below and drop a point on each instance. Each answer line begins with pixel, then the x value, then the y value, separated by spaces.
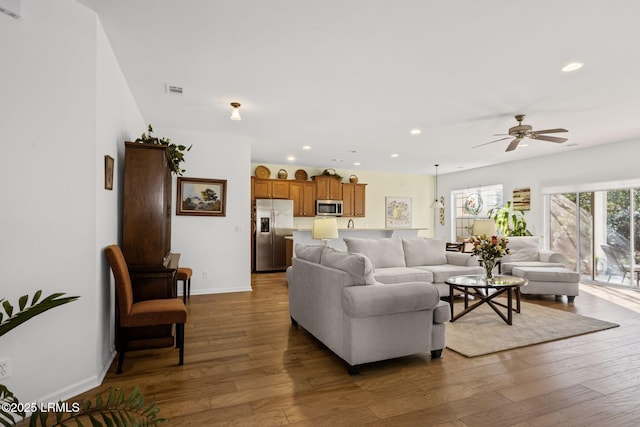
pixel 549 281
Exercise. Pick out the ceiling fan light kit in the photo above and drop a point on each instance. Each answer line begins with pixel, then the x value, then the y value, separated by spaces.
pixel 519 132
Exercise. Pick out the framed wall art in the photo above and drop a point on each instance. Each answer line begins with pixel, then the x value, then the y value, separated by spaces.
pixel 108 172
pixel 201 197
pixel 522 199
pixel 398 212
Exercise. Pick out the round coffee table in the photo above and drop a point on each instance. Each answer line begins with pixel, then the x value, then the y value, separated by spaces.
pixel 486 291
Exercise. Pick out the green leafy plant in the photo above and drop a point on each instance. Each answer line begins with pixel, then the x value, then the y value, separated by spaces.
pixel 116 410
pixel 509 221
pixel 175 152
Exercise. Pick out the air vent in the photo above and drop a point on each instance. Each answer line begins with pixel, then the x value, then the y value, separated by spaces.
pixel 174 89
pixel 10 7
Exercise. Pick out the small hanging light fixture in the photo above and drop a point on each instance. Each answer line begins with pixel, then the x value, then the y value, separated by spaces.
pixel 437 204
pixel 235 113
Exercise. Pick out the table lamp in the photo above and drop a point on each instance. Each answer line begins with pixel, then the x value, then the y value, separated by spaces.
pixel 325 229
pixel 484 226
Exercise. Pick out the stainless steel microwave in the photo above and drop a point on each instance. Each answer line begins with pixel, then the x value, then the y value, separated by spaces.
pixel 329 207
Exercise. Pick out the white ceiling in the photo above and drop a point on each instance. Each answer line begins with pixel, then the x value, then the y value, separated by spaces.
pixel 358 75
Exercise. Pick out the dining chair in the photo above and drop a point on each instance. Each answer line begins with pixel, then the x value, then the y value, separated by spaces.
pixel 167 311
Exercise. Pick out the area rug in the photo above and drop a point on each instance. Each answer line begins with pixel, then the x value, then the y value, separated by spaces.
pixel 482 331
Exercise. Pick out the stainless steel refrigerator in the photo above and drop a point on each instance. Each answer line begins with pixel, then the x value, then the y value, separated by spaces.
pixel 274 221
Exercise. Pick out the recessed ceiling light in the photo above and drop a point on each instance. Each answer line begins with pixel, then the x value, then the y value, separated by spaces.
pixel 523 145
pixel 356 163
pixel 573 66
pixel 306 147
pixel 395 155
pixel 415 132
pixel 291 158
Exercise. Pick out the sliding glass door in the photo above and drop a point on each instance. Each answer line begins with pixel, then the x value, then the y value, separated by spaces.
pixel 598 232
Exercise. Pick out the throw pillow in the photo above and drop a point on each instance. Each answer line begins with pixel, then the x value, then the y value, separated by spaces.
pixel 383 253
pixel 311 253
pixel 357 265
pixel 423 251
pixel 524 248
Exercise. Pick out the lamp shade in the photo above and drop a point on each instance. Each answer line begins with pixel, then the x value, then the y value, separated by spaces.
pixel 484 226
pixel 324 228
pixel 235 112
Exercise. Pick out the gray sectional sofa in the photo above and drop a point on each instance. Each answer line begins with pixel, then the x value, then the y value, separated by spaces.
pixel 378 300
pixel 417 259
pixel 335 297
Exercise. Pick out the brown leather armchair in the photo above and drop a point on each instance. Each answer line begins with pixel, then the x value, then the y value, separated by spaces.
pixel 142 313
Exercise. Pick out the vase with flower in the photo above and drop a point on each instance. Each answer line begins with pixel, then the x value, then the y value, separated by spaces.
pixel 488 250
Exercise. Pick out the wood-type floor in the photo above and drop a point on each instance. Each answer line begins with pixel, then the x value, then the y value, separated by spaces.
pixel 246 365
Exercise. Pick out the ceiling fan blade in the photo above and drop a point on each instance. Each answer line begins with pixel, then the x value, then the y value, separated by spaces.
pixel 513 144
pixel 538 132
pixel 491 142
pixel 549 138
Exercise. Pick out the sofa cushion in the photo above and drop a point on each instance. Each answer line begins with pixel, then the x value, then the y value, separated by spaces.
pixel 357 265
pixel 382 300
pixel 547 274
pixel 424 251
pixel 402 275
pixel 507 267
pixel 443 272
pixel 524 248
pixel 382 252
pixel 311 253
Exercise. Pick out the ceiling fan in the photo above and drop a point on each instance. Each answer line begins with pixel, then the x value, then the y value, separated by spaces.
pixel 526 131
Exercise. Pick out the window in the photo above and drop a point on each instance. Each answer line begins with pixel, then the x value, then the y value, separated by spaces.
pixel 472 203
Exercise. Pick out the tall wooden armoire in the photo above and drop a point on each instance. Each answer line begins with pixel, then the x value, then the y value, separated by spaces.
pixel 146 233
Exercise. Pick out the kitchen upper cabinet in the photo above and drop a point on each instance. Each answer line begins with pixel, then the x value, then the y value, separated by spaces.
pixel 328 188
pixel 271 188
pixel 353 199
pixel 303 194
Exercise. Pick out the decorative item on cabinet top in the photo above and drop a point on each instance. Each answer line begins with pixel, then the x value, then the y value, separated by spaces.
pixel 301 175
pixel 331 172
pixel 353 179
pixel 263 172
pixel 282 174
pixel 175 152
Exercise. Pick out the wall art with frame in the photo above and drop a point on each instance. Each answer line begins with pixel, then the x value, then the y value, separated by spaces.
pixel 201 197
pixel 398 212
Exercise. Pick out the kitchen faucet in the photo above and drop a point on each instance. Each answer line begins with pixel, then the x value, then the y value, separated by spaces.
pixel 350 224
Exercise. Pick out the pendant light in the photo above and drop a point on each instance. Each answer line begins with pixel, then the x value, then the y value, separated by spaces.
pixel 235 113
pixel 436 203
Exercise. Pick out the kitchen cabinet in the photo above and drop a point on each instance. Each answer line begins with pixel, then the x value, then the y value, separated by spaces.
pixel 271 188
pixel 328 187
pixel 303 194
pixel 353 200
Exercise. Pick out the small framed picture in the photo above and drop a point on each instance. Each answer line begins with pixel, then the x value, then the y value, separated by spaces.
pixel 201 196
pixel 108 172
pixel 398 212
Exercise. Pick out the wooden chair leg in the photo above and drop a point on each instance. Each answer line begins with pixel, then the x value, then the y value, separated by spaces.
pixel 180 341
pixel 123 346
pixel 189 288
pixel 184 291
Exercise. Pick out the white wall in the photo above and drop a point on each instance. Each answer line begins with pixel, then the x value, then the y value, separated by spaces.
pixel 379 185
pixel 599 164
pixel 118 119
pixel 220 246
pixel 56 215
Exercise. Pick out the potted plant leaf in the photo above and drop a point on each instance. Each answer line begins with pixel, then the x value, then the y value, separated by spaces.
pixel 175 152
pixel 509 221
